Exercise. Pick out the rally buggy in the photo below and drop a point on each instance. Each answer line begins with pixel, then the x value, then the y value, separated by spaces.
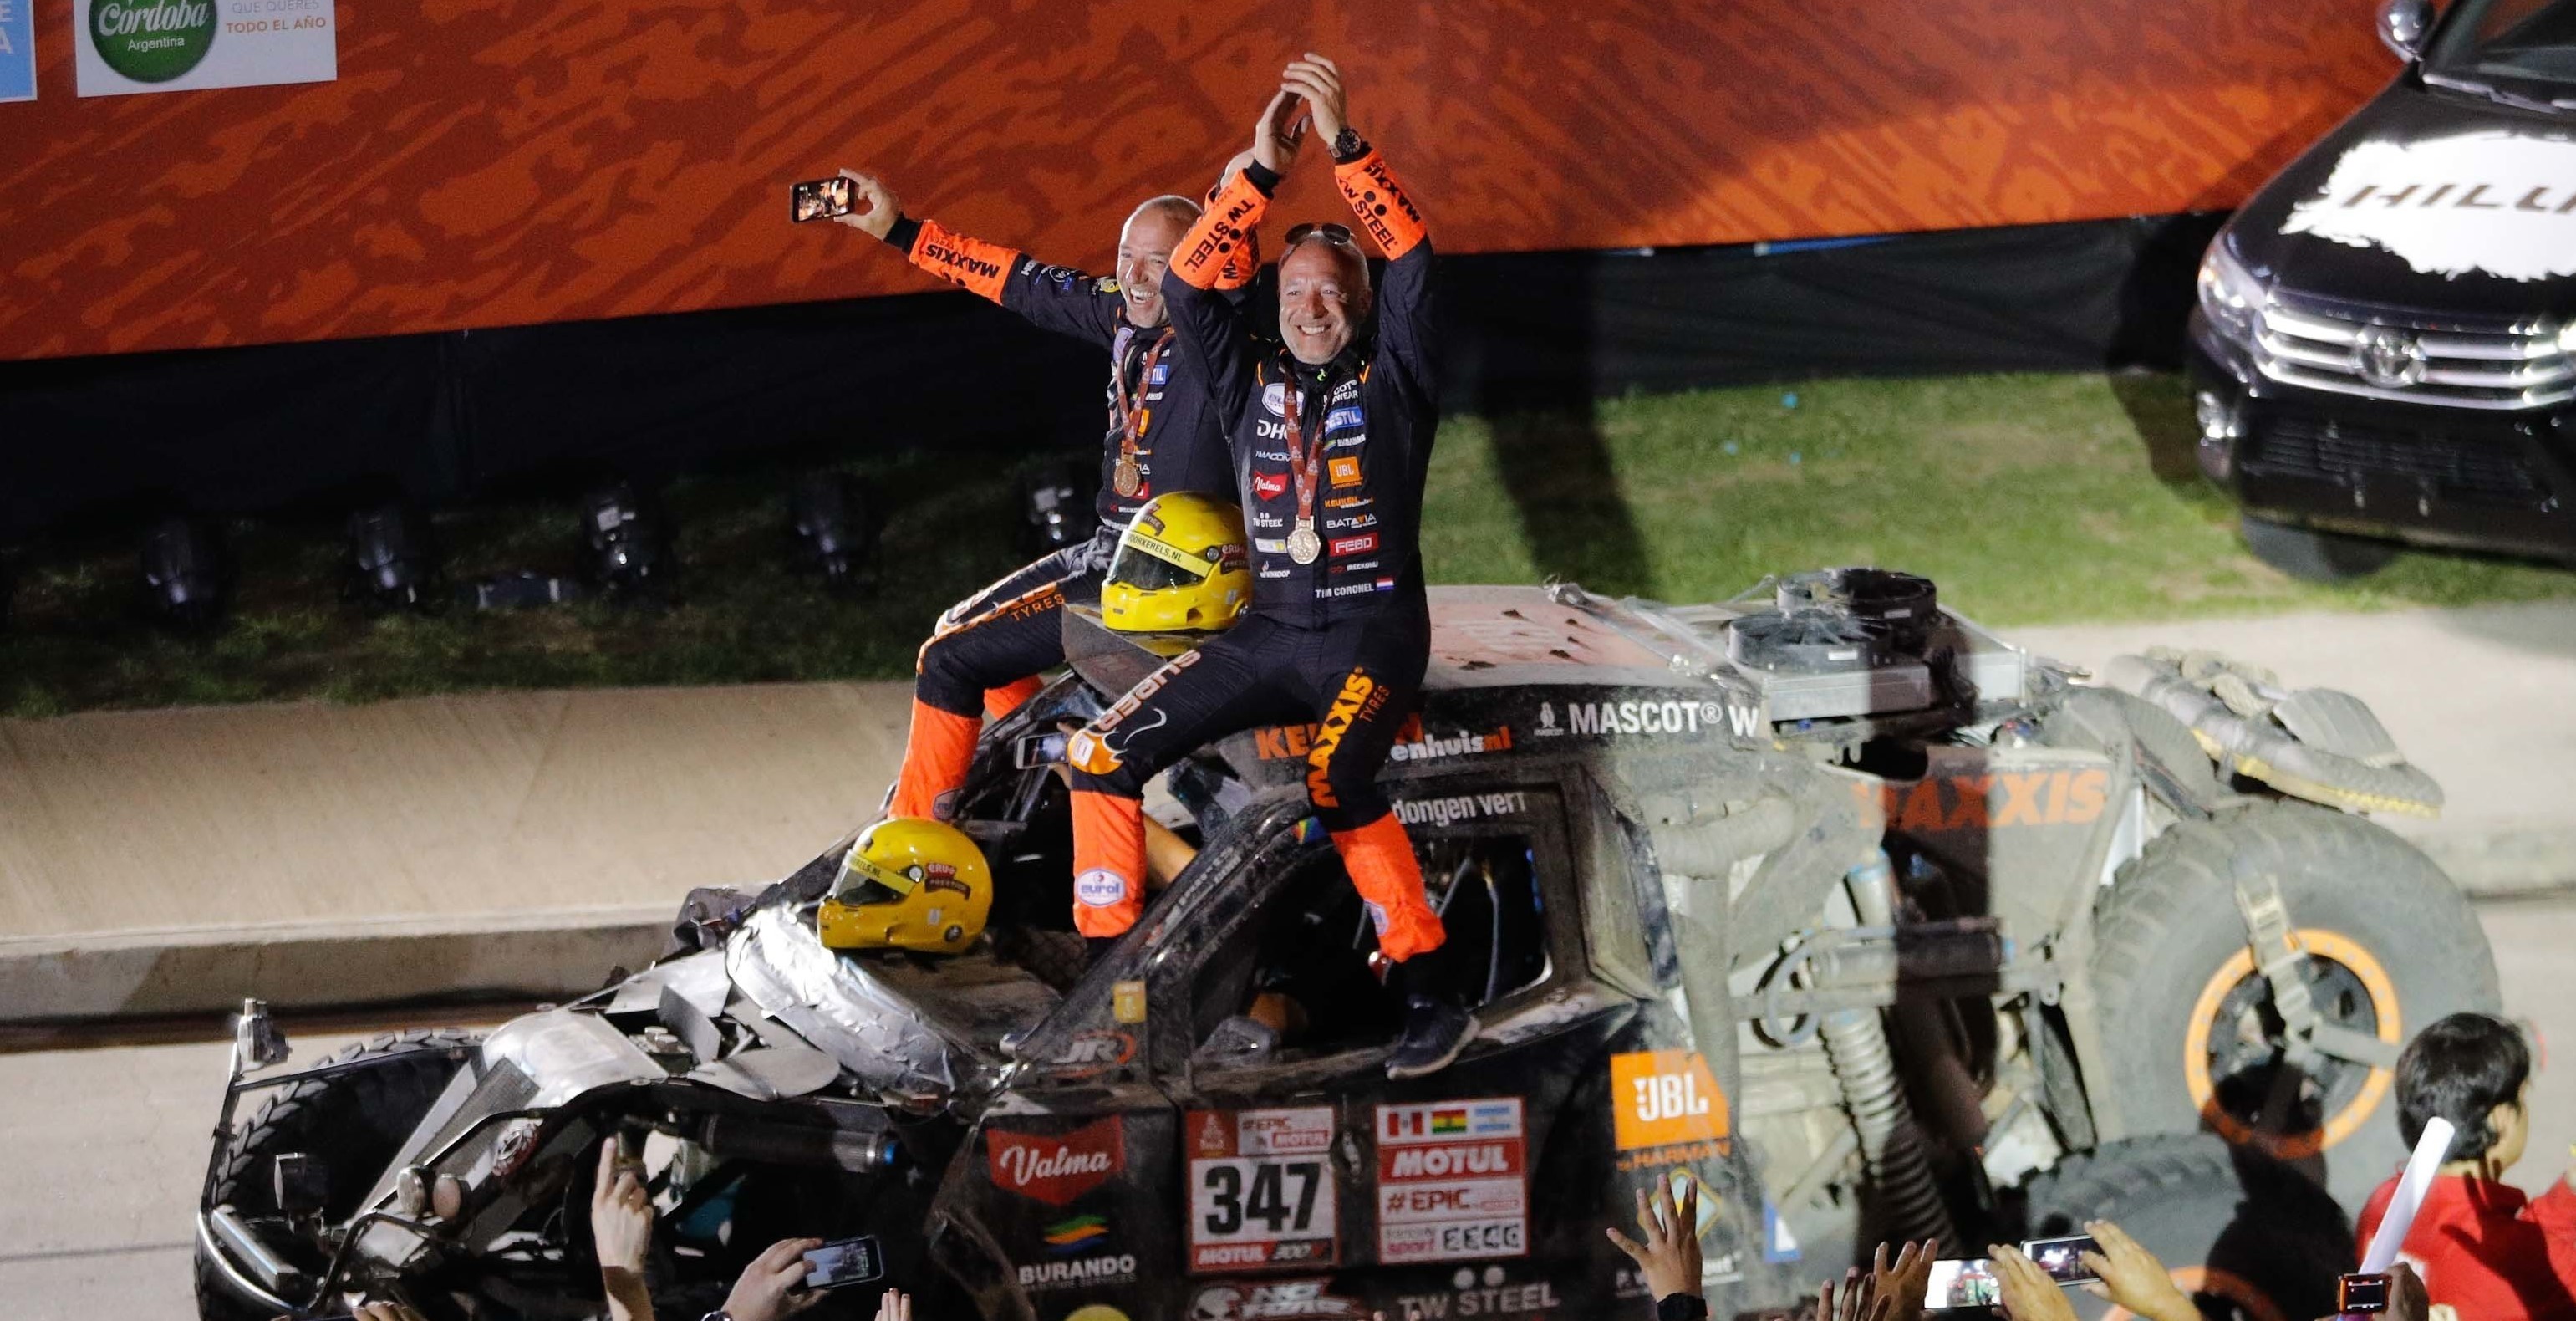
pixel 1826 901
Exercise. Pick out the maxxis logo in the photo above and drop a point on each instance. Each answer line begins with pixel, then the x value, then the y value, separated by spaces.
pixel 152 41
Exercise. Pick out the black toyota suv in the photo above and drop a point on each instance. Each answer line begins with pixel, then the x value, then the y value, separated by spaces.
pixel 2385 348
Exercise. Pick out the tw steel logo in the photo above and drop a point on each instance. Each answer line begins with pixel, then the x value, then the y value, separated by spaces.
pixel 1056 1168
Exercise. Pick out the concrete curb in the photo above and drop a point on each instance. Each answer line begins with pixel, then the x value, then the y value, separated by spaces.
pixel 561 954
pixel 137 974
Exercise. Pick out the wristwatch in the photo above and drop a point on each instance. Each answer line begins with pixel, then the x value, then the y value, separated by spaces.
pixel 1348 145
pixel 1681 1307
pixel 722 1315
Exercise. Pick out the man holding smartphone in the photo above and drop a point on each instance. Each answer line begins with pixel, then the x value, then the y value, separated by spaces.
pixel 1162 437
pixel 1331 431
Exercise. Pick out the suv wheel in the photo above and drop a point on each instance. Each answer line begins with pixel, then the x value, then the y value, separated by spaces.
pixel 2313 556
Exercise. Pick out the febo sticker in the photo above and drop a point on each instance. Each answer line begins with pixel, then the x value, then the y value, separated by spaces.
pixel 1056 1168
pixel 1662 1098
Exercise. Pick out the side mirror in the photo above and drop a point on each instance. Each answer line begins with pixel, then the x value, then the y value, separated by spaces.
pixel 2403 25
pixel 257 1043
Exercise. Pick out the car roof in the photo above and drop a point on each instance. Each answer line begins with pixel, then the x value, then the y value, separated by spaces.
pixel 1493 637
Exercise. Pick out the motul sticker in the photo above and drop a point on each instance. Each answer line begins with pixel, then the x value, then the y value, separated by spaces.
pixel 1452 1181
pixel 1056 1168
pixel 1261 1190
pixel 1664 1098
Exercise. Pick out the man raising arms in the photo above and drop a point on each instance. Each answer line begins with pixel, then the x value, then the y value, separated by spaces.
pixel 1331 439
pixel 1162 437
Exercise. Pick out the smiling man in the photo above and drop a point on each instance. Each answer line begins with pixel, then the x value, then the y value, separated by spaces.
pixel 1331 439
pixel 1162 437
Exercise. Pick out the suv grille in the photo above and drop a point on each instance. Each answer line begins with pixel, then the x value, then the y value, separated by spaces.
pixel 2467 470
pixel 2410 358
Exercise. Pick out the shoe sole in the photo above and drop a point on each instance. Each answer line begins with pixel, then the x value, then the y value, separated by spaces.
pixel 1456 1048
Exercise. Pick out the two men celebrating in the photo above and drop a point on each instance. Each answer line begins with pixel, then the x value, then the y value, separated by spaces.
pixel 1323 438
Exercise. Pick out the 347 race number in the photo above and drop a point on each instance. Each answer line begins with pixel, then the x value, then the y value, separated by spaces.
pixel 1261 1190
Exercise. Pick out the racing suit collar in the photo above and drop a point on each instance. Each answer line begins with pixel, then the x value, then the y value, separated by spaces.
pixel 1348 362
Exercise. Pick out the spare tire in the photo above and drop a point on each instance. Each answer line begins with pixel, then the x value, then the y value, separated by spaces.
pixel 2249 1238
pixel 2188 1022
pixel 353 1122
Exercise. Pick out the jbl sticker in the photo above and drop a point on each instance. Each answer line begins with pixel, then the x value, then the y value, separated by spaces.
pixel 1663 1098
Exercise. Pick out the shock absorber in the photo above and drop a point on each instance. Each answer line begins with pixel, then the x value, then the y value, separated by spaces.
pixel 1891 1146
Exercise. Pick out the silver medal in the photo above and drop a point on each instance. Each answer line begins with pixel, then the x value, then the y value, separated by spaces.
pixel 1303 545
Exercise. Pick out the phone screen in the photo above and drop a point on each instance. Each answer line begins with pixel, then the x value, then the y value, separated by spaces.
pixel 2361 1293
pixel 2062 1258
pixel 819 199
pixel 845 1261
pixel 1963 1284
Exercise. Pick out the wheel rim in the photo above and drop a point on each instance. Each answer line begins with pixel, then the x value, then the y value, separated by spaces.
pixel 2232 1059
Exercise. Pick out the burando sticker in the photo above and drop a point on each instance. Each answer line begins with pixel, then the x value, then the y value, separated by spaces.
pixel 126 46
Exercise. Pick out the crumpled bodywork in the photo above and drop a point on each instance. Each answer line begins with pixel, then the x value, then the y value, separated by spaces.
pixel 2316 744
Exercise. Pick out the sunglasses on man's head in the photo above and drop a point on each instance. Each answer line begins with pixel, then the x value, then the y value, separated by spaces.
pixel 1323 233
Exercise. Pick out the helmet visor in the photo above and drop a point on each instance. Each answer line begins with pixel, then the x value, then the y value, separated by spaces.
pixel 862 883
pixel 1146 571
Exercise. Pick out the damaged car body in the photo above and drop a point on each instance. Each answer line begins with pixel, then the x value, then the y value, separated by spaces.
pixel 1825 902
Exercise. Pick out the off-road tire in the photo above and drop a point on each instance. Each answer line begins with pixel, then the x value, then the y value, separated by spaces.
pixel 2170 928
pixel 2251 1238
pixel 2313 556
pixel 353 1121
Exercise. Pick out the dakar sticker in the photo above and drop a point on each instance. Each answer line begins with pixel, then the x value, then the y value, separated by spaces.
pixel 1452 1181
pixel 1261 1190
pixel 1056 1168
pixel 1663 1098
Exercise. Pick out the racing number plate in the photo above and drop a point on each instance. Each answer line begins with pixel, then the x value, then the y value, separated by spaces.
pixel 1261 1190
pixel 1452 1181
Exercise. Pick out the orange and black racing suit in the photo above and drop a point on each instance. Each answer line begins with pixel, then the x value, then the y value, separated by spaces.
pixel 987 649
pixel 1343 640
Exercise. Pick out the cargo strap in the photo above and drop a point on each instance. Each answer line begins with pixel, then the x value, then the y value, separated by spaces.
pixel 2282 960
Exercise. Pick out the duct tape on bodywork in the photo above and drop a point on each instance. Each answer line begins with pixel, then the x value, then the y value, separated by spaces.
pixel 2316 744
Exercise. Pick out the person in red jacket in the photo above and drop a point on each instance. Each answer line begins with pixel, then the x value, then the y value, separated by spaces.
pixel 2482 1247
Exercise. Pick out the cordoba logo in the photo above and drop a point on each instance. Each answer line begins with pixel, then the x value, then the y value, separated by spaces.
pixel 152 41
pixel 1056 1168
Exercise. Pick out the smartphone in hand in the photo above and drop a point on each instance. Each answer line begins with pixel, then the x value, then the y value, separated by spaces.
pixel 844 1262
pixel 820 199
pixel 1956 1284
pixel 2062 1258
pixel 2355 1294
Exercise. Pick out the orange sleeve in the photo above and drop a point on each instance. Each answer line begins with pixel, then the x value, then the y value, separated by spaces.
pixel 1379 201
pixel 979 266
pixel 1222 234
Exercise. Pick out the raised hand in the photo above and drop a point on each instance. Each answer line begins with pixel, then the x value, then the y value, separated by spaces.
pixel 2025 1291
pixel 894 1305
pixel 766 1289
pixel 2131 1277
pixel 1319 82
pixel 1903 1281
pixel 1670 1255
pixel 877 206
pixel 621 1230
pixel 1280 133
pixel 1859 1300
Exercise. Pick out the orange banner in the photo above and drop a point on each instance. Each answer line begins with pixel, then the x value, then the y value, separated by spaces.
pixel 497 162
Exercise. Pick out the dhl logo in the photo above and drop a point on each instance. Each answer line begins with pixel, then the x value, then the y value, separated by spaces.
pixel 2005 800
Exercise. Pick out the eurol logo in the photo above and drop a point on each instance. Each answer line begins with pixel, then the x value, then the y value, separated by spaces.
pixel 1056 1168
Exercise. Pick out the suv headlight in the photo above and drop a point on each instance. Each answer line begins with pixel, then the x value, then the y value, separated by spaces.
pixel 2229 293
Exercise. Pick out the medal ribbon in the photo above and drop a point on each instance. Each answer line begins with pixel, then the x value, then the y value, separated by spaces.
pixel 1132 413
pixel 1307 461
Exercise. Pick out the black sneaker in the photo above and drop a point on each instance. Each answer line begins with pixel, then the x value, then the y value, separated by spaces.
pixel 1435 1030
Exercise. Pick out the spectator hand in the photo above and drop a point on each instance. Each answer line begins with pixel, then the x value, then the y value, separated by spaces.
pixel 1902 1282
pixel 894 1305
pixel 1669 1258
pixel 877 206
pixel 2026 1292
pixel 1860 1299
pixel 1318 80
pixel 766 1290
pixel 621 1217
pixel 2407 1300
pixel 1280 133
pixel 2133 1278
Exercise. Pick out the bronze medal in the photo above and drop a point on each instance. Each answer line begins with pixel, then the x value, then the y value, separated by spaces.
pixel 1303 545
pixel 1127 479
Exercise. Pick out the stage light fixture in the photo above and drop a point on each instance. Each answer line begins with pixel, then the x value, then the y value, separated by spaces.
pixel 1059 511
pixel 393 556
pixel 628 540
pixel 187 577
pixel 833 523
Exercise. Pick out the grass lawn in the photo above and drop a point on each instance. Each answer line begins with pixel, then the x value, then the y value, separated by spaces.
pixel 2039 498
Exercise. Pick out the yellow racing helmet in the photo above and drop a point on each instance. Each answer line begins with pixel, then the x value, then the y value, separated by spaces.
pixel 908 883
pixel 1181 567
